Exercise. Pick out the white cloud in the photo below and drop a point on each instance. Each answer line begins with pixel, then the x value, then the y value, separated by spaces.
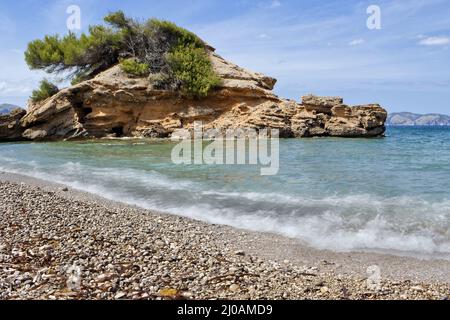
pixel 435 41
pixel 264 36
pixel 275 4
pixel 14 88
pixel 356 42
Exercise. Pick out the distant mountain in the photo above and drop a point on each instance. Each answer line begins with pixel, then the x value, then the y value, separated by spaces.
pixel 7 108
pixel 414 119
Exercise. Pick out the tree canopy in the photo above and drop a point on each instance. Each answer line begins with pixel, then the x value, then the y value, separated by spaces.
pixel 156 48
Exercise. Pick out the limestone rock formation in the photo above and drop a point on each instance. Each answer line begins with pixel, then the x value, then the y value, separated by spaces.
pixel 115 105
pixel 10 128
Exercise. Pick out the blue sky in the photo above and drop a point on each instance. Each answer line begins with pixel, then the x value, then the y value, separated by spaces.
pixel 310 46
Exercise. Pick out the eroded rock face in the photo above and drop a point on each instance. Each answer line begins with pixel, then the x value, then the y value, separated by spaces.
pixel 10 128
pixel 329 116
pixel 114 105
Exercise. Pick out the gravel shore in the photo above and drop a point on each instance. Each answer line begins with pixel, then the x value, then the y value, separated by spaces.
pixel 57 243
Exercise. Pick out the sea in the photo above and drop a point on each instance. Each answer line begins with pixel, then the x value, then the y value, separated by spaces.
pixel 389 194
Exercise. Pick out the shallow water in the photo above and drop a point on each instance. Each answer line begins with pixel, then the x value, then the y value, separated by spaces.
pixel 390 194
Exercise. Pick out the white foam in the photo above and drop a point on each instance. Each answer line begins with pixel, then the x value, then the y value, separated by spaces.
pixel 341 223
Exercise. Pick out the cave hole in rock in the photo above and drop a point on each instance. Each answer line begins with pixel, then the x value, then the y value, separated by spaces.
pixel 118 131
pixel 82 112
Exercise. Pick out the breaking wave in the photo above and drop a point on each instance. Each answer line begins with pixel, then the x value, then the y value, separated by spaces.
pixel 404 224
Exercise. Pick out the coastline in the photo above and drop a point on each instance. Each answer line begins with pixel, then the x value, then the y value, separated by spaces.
pixel 193 259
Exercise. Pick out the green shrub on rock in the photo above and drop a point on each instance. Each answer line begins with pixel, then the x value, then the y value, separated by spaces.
pixel 135 68
pixel 193 68
pixel 176 55
pixel 175 35
pixel 46 90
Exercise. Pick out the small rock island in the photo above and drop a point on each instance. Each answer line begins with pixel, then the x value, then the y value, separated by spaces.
pixel 165 82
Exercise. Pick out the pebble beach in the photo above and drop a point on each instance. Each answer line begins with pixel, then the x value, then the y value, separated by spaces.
pixel 61 244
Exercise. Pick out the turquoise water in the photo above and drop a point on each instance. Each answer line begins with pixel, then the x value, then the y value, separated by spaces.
pixel 388 194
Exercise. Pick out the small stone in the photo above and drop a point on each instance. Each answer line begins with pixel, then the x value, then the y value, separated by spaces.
pixel 168 293
pixel 159 243
pixel 234 288
pixel 119 295
pixel 187 294
pixel 239 253
pixel 65 189
pixel 104 277
pixel 417 288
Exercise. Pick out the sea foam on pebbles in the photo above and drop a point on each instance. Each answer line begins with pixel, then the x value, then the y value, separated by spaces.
pixel 55 248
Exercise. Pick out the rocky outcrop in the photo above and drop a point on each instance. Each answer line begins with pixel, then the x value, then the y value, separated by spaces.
pixel 299 120
pixel 115 105
pixel 10 128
